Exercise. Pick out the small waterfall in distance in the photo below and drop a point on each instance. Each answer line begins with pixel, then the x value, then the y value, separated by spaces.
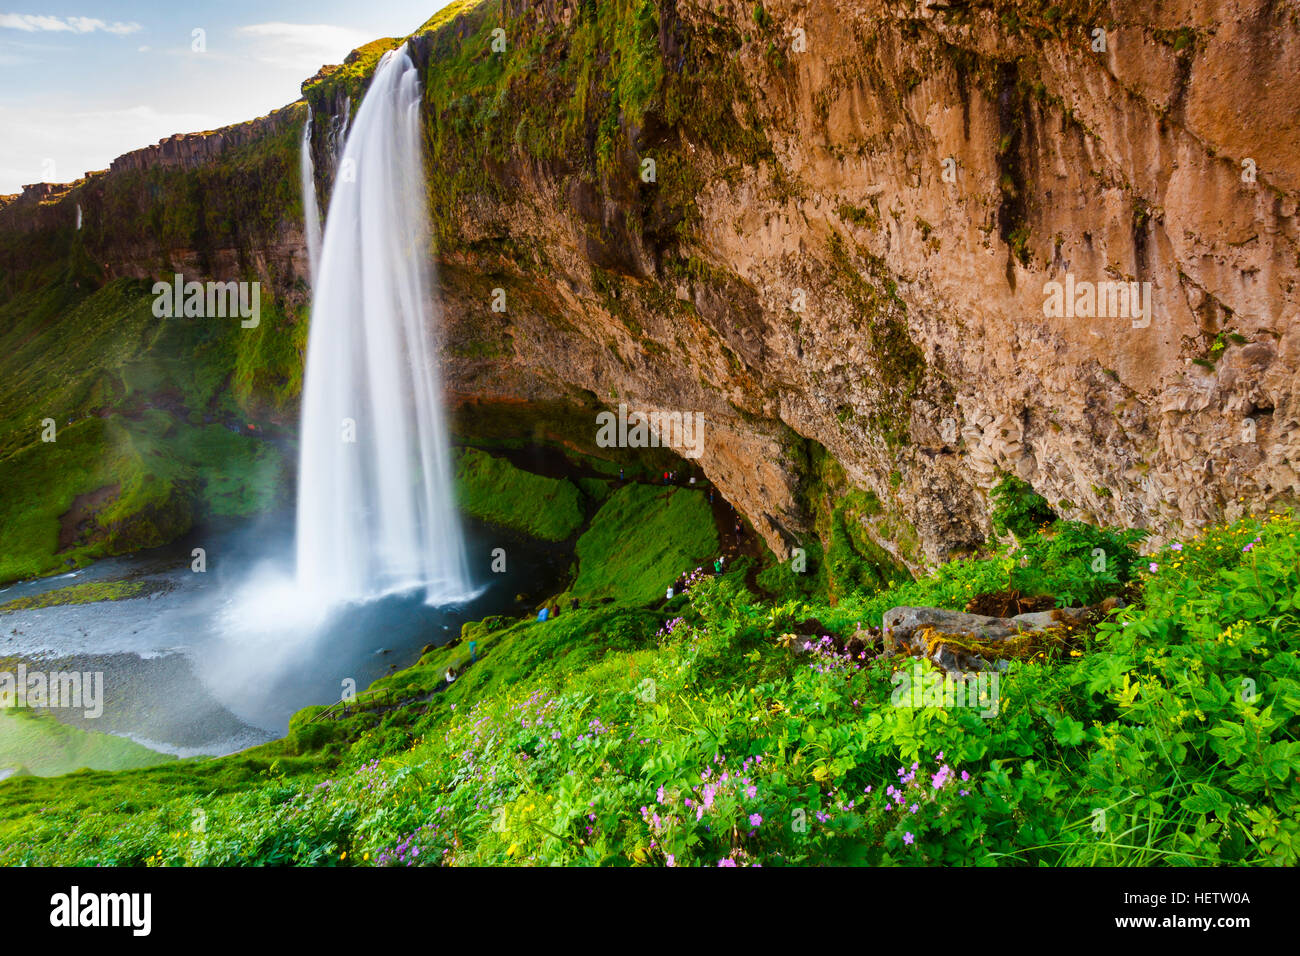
pixel 310 208
pixel 376 511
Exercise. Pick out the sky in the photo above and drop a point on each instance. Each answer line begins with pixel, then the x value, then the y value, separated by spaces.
pixel 82 82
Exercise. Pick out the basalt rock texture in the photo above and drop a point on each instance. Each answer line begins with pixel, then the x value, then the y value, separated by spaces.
pixel 834 225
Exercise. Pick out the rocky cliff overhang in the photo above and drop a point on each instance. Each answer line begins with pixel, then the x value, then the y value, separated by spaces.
pixel 857 232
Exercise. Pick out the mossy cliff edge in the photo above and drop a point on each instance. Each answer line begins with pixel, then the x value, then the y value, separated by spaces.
pixel 827 227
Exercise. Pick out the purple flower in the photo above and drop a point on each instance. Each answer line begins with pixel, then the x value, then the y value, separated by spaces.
pixel 1153 567
pixel 755 820
pixel 908 838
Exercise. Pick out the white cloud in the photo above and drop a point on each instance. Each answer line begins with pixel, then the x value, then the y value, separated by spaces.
pixel 32 23
pixel 38 146
pixel 304 46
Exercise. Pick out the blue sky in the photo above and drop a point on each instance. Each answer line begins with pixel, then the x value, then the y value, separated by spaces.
pixel 83 82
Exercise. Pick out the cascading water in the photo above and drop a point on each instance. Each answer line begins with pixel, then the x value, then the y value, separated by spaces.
pixel 311 210
pixel 338 134
pixel 375 504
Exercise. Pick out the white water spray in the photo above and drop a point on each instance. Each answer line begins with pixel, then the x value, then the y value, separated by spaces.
pixel 375 502
pixel 310 208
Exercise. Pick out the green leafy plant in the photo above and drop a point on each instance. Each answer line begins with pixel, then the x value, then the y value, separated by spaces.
pixel 1017 508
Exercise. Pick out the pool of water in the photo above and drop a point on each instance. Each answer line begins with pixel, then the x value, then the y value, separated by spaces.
pixel 213 662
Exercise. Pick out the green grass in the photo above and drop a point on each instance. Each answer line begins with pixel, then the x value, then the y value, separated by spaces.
pixel 495 491
pixel 168 474
pixel 129 395
pixel 88 592
pixel 641 540
pixel 597 489
pixel 1164 735
pixel 39 744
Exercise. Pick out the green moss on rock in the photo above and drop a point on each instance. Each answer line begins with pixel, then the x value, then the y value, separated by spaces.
pixel 495 491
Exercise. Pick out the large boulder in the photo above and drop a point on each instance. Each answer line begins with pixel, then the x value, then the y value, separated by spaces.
pixel 958 641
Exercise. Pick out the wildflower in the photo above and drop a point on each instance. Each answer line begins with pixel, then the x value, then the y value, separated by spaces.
pixel 908 838
pixel 755 820
pixel 1153 567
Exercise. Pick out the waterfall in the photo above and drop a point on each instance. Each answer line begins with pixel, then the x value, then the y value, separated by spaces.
pixel 338 133
pixel 310 208
pixel 376 511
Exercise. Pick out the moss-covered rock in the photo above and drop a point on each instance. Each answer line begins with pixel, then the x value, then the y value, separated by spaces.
pixel 494 490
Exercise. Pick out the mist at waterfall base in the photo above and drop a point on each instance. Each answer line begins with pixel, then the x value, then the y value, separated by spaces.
pixel 375 564
pixel 190 670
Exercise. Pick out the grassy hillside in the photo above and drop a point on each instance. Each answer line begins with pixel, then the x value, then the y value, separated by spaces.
pixel 1166 734
pixel 150 420
pixel 496 491
pixel 642 538
pixel 39 744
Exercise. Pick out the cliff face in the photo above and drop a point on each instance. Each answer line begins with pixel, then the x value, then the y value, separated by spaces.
pixel 221 205
pixel 871 271
pixel 855 212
